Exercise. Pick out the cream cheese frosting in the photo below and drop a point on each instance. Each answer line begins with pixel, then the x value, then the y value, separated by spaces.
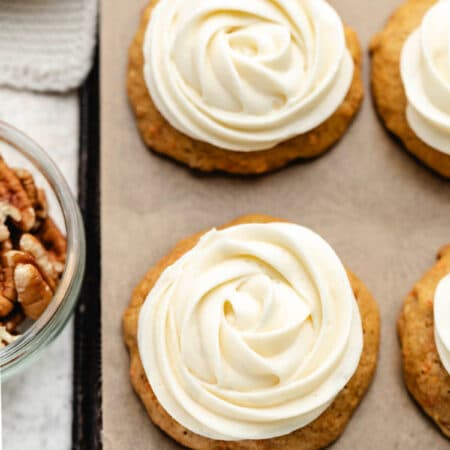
pixel 252 333
pixel 442 321
pixel 425 71
pixel 246 75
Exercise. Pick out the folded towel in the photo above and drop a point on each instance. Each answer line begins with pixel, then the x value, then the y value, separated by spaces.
pixel 46 45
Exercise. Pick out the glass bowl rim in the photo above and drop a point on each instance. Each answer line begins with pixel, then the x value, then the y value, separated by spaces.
pixel 55 316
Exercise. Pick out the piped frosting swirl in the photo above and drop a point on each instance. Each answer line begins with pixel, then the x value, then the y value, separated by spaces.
pixel 246 75
pixel 252 333
pixel 425 71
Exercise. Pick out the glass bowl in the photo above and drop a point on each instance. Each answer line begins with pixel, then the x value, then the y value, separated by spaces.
pixel 20 151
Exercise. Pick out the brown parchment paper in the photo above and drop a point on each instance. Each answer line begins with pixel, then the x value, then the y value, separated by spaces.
pixel 383 212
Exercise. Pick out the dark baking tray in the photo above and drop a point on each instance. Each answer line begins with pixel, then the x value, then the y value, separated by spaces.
pixel 87 421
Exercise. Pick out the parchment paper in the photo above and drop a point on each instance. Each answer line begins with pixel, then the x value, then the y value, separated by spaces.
pixel 383 212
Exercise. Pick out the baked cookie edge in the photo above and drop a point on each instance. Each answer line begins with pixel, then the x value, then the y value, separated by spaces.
pixel 320 433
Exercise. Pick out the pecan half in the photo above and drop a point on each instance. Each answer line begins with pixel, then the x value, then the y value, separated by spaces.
pixel 33 292
pixel 53 240
pixel 46 263
pixel 37 196
pixel 13 193
pixel 34 278
pixel 27 182
pixel 7 210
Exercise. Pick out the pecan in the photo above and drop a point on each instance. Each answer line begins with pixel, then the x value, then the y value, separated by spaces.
pixel 10 260
pixel 6 306
pixel 7 289
pixel 34 278
pixel 13 193
pixel 33 292
pixel 41 206
pixel 27 182
pixel 14 319
pixel 14 257
pixel 7 210
pixel 5 246
pixel 37 196
pixel 32 249
pixel 35 274
pixel 48 265
pixel 53 240
pixel 6 337
pixel 31 274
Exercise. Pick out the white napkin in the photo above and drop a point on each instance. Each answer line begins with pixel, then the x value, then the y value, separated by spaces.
pixel 46 45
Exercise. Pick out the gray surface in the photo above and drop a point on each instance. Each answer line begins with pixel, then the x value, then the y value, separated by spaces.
pixel 385 215
pixel 37 404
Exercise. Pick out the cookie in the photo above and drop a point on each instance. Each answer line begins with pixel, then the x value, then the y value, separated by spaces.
pixel 163 138
pixel 424 375
pixel 387 87
pixel 317 434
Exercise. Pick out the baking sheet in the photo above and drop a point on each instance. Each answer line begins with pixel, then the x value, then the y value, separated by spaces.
pixel 384 213
pixel 86 405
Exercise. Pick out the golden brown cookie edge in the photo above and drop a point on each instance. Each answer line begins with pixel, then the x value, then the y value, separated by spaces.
pixel 425 377
pixel 387 88
pixel 161 137
pixel 320 433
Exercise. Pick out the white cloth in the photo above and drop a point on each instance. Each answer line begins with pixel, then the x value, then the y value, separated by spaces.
pixel 46 45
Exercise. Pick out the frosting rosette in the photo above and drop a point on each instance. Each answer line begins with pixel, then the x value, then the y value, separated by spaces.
pixel 246 75
pixel 442 321
pixel 252 333
pixel 425 71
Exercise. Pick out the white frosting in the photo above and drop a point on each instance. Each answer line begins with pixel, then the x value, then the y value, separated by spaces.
pixel 245 75
pixel 252 333
pixel 442 321
pixel 425 71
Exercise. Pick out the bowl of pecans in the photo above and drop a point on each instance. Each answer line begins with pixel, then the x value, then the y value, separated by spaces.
pixel 42 250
